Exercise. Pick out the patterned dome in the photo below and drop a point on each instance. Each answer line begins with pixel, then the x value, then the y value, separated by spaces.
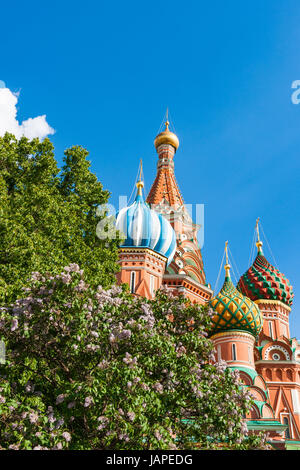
pixel 233 311
pixel 263 281
pixel 143 227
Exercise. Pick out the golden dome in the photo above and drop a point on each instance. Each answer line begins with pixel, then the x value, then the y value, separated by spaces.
pixel 166 138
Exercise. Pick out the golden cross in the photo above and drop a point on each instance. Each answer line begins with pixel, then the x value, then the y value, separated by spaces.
pixel 167 120
pixel 141 169
pixel 257 229
pixel 226 251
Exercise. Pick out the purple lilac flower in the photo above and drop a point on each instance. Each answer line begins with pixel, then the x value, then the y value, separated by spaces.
pixel 67 436
pixel 60 398
pixel 87 402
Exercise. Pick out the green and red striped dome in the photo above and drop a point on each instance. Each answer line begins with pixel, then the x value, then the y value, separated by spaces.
pixel 263 281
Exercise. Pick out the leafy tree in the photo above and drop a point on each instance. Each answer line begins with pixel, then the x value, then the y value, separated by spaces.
pixel 89 368
pixel 48 217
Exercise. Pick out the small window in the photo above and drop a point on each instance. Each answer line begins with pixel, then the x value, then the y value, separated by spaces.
pixel 271 329
pixel 284 331
pixel 132 282
pixel 152 279
pixel 287 431
pixel 249 355
pixel 234 352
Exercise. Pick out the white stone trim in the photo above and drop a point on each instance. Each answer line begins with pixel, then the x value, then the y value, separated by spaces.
pixel 295 400
pixel 282 382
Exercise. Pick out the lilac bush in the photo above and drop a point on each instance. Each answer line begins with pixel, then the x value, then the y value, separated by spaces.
pixel 100 369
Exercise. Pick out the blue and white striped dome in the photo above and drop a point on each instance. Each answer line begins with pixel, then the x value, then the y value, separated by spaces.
pixel 143 227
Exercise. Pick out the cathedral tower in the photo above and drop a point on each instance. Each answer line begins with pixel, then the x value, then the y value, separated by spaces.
pixel 185 274
pixel 277 355
pixel 236 324
pixel 149 246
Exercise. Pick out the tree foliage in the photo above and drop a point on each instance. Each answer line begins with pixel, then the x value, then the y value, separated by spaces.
pixel 47 216
pixel 89 368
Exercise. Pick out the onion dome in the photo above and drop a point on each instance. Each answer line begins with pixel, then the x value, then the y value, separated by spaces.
pixel 234 311
pixel 264 281
pixel 145 228
pixel 166 138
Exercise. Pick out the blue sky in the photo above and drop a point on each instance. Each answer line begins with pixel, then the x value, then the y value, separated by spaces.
pixel 104 73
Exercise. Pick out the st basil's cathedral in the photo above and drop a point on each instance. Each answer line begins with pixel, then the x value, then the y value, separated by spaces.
pixel 250 322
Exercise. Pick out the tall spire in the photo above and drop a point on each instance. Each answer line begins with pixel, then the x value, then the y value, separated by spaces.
pixel 140 183
pixel 227 265
pixel 259 243
pixel 165 197
pixel 165 186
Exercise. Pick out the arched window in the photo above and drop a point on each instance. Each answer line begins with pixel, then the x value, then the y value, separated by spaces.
pixel 269 374
pixel 132 282
pixel 289 375
pixel 284 330
pixel 152 285
pixel 249 355
pixel 287 431
pixel 270 329
pixel 234 352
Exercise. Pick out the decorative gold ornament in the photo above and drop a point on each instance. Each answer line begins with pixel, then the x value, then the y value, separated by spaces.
pixel 140 183
pixel 166 138
pixel 259 243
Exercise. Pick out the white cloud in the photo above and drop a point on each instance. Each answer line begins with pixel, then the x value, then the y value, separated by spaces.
pixel 31 128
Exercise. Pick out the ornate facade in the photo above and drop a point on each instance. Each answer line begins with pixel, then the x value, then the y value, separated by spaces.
pixel 277 354
pixel 250 321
